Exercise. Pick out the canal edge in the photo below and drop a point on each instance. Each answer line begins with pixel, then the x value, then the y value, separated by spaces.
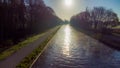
pixel 44 49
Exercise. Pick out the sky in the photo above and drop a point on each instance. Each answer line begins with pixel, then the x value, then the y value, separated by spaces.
pixel 65 9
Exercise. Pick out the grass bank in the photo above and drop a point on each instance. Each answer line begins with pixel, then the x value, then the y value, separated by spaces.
pixel 111 40
pixel 14 48
pixel 28 60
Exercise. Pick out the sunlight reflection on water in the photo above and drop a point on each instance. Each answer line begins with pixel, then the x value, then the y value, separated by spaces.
pixel 66 47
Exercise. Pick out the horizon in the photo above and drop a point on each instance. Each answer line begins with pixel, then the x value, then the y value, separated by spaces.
pixel 66 9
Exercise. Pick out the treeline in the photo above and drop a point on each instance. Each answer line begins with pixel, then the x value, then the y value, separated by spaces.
pixel 20 18
pixel 97 19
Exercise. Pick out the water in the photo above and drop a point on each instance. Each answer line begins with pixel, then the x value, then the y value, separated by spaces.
pixel 72 49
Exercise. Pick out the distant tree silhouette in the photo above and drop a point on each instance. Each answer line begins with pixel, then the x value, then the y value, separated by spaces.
pixel 97 18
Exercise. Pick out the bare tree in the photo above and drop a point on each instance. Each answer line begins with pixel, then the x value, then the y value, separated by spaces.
pixel 97 18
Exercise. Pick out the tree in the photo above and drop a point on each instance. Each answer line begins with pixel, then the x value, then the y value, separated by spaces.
pixel 97 18
pixel 20 19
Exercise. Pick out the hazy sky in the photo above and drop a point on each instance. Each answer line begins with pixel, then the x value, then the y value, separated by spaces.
pixel 67 8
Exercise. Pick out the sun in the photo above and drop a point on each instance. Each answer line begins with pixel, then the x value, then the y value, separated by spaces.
pixel 68 2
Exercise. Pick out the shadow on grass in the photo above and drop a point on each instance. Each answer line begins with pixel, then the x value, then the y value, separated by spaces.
pixel 29 60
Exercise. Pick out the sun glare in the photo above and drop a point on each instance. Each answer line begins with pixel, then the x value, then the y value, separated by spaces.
pixel 66 48
pixel 68 2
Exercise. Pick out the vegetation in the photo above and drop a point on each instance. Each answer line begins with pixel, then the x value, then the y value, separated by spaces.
pixel 96 22
pixel 116 27
pixel 22 18
pixel 27 61
pixel 98 19
pixel 20 45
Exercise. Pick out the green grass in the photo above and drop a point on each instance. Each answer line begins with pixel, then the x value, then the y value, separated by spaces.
pixel 20 45
pixel 27 61
pixel 116 27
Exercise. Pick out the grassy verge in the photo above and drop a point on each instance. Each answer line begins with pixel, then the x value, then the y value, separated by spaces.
pixel 27 61
pixel 18 46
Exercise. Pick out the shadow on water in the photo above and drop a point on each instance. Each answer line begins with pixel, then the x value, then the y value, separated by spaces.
pixel 100 37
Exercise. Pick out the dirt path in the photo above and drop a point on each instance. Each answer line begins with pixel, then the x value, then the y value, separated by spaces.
pixel 14 59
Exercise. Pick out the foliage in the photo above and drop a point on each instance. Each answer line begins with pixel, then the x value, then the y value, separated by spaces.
pixel 21 18
pixel 27 61
pixel 98 18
